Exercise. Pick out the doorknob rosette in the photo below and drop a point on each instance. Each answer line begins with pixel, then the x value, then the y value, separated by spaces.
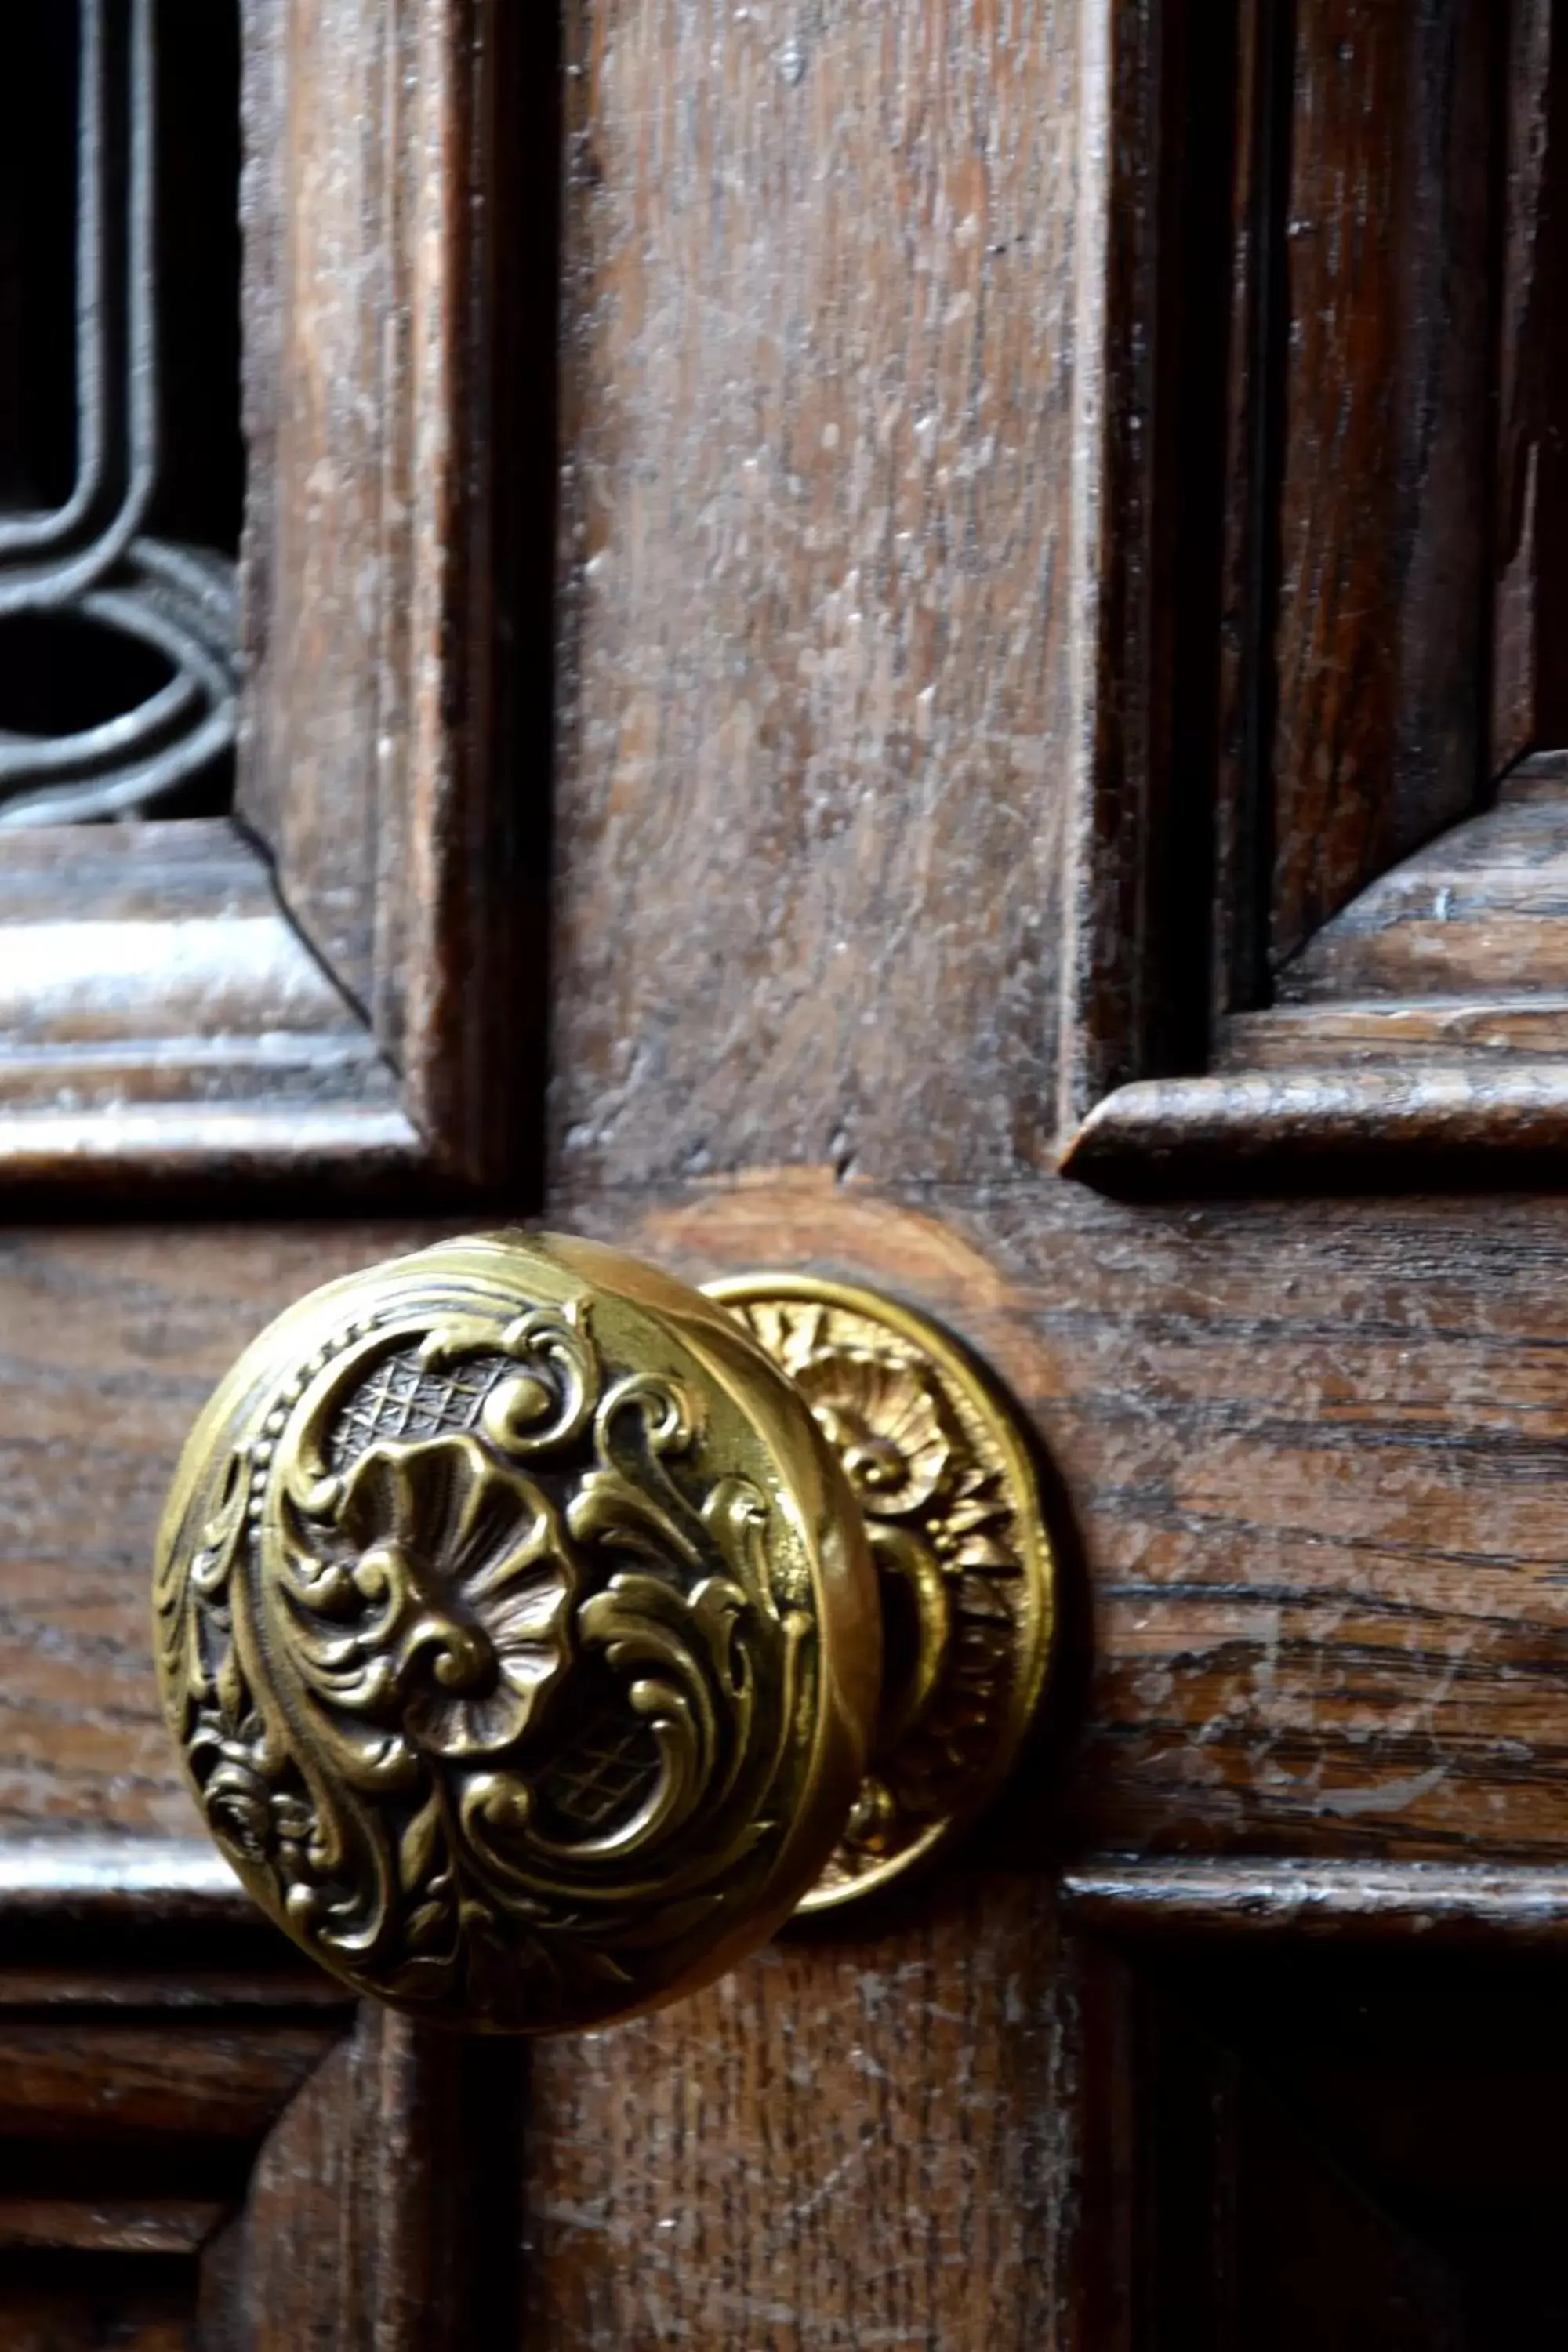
pixel 519 1619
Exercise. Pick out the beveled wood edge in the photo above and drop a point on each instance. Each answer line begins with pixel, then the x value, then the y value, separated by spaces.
pixel 1200 1127
pixel 113 1886
pixel 120 1871
pixel 350 1133
pixel 350 1147
pixel 1413 1902
pixel 114 1921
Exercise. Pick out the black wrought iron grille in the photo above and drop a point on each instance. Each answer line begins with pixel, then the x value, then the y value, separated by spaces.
pixel 121 465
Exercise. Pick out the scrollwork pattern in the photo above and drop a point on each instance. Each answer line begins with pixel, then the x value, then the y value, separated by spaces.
pixel 477 1664
pixel 955 1531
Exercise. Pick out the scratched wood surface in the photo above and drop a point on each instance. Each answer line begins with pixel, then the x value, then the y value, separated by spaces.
pixel 1380 655
pixel 384 317
pixel 143 2066
pixel 1530 677
pixel 819 414
pixel 767 2166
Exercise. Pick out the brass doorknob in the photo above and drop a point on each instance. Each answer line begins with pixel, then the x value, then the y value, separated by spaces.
pixel 538 1633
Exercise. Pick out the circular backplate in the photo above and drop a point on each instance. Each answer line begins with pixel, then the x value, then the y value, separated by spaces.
pixel 943 1471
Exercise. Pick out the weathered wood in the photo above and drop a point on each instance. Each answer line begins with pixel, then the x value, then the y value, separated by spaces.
pixel 1456 1119
pixel 1431 1015
pixel 145 2086
pixel 1481 912
pixel 1425 1904
pixel 382 2210
pixel 820 407
pixel 130 2119
pixel 1309 1450
pixel 1291 631
pixel 156 1926
pixel 1379 647
pixel 1505 1032
pixel 163 1018
pixel 159 1012
pixel 846 2141
pixel 1530 679
pixel 377 214
pixel 105 1358
pixel 866 634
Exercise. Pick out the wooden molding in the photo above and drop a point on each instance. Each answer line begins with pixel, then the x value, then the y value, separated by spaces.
pixel 1301 934
pixel 197 2120
pixel 1429 1016
pixel 161 1016
pixel 326 989
pixel 1424 1902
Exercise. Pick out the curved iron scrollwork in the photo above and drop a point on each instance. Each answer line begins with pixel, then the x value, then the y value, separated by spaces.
pixel 90 558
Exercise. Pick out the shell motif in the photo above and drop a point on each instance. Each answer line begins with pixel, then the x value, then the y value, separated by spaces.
pixel 882 1417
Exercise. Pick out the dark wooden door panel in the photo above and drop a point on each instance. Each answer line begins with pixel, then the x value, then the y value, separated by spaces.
pixel 1026 550
pixel 1250 2227
pixel 853 2139
pixel 202 2144
pixel 1342 2146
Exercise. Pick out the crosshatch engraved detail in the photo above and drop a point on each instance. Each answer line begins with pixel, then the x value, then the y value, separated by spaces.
pixel 952 1513
pixel 478 1660
pixel 144 623
pixel 604 1773
pixel 404 1397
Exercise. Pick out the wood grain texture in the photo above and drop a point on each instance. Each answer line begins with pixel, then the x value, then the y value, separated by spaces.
pixel 820 403
pixel 1458 956
pixel 174 1026
pixel 843 2144
pixel 1425 1904
pixel 1380 1032
pixel 1452 1117
pixel 146 2087
pixel 112 1346
pixel 1380 655
pixel 378 337
pixel 129 2123
pixel 1311 1451
pixel 1481 912
pixel 1287 656
pixel 1530 677
pixel 379 2214
pixel 108 2226
pixel 158 937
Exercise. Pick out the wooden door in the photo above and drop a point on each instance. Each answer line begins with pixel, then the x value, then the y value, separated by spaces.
pixel 923 640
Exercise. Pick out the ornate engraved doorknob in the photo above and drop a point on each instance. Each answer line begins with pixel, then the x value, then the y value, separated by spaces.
pixel 538 1633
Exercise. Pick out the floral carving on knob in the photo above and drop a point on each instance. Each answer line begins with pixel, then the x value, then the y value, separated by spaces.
pixel 466 1585
pixel 882 1420
pixel 954 1521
